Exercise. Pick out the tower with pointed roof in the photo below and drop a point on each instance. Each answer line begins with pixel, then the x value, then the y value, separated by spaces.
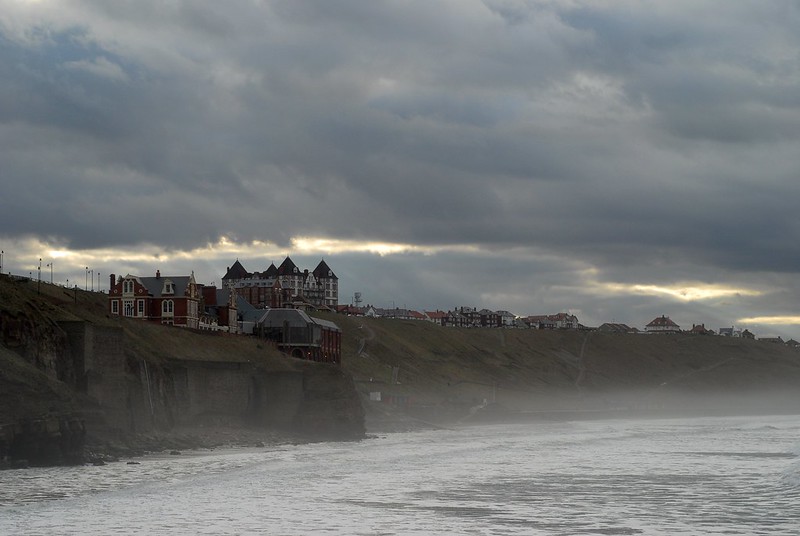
pixel 328 283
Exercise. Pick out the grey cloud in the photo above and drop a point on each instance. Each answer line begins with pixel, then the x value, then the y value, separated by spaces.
pixel 649 144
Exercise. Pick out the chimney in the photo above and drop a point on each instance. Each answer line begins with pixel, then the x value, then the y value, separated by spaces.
pixel 112 281
pixel 158 274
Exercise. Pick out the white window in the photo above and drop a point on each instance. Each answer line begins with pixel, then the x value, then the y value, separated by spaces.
pixel 127 307
pixel 167 307
pixel 114 307
pixel 139 307
pixel 127 286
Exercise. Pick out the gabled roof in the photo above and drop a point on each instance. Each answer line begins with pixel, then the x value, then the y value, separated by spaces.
pixel 236 271
pixel 287 267
pixel 662 321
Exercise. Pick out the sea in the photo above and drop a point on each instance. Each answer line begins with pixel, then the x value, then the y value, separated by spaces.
pixel 698 476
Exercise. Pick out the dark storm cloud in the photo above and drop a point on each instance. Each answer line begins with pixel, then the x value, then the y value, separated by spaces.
pixel 651 143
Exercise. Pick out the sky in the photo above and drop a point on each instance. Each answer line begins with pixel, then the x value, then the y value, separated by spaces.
pixel 616 160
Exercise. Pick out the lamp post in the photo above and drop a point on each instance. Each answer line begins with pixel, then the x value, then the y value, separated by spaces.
pixel 39 282
pixel 1 261
pixel 92 278
pixel 50 264
pixel 86 279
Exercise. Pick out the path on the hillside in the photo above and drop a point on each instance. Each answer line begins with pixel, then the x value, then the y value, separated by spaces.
pixel 581 362
pixel 362 342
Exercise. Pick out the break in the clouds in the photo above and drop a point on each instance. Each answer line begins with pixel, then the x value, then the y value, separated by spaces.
pixel 617 159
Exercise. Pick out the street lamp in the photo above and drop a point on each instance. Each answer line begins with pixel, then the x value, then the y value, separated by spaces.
pixel 1 261
pixel 86 279
pixel 39 282
pixel 50 264
pixel 92 278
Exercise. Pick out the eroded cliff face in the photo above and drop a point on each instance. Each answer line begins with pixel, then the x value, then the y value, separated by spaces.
pixel 72 385
pixel 331 408
pixel 317 401
pixel 37 340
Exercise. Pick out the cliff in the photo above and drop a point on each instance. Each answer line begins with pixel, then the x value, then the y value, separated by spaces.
pixel 75 383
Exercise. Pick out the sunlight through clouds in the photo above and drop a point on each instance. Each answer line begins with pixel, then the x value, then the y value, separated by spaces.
pixel 691 292
pixel 332 245
pixel 772 320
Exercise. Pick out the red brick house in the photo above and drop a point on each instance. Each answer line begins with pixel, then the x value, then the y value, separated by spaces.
pixel 172 300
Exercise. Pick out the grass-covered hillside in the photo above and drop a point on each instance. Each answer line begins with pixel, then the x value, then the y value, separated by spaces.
pixel 533 369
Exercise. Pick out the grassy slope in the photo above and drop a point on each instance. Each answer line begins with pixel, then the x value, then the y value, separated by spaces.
pixel 143 339
pixel 529 368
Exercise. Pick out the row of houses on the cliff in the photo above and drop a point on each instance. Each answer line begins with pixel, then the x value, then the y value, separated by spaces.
pixel 274 304
pixel 471 317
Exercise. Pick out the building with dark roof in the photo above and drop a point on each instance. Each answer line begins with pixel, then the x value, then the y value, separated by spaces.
pixel 171 300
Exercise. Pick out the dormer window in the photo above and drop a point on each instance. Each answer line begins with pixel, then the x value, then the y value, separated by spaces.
pixel 127 286
pixel 169 287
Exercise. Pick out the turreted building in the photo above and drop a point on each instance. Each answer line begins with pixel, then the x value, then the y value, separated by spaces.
pixel 283 285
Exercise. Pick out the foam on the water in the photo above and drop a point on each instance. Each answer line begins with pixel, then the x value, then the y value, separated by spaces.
pixel 676 476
